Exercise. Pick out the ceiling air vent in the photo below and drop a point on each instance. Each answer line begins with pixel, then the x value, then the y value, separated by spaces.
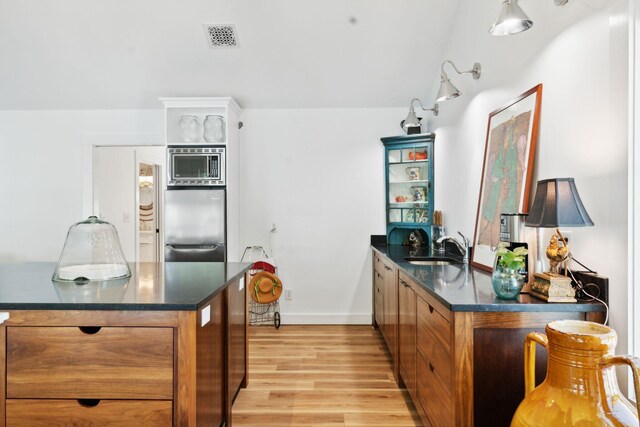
pixel 221 35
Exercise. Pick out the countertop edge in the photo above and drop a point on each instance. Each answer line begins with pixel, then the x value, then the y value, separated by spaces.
pixel 126 306
pixel 223 287
pixel 498 308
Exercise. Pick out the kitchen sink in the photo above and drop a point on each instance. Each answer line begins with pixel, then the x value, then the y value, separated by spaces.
pixel 431 261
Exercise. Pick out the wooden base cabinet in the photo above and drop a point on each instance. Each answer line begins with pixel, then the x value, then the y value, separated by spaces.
pixel 434 365
pixel 464 369
pixel 114 367
pixel 385 286
pixel 407 336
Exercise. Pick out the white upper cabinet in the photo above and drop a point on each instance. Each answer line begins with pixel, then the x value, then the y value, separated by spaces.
pixel 194 121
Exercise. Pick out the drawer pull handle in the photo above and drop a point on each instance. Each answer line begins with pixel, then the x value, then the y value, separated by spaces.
pixel 90 330
pixel 88 403
pixel 404 283
pixel 430 308
pixel 387 268
pixel 431 367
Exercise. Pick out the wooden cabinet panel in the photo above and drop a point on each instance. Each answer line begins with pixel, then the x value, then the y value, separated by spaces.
pixel 434 339
pixel 407 334
pixel 236 344
pixel 391 308
pixel 433 394
pixel 378 289
pixel 235 328
pixel 385 282
pixel 59 413
pixel 99 363
pixel 210 354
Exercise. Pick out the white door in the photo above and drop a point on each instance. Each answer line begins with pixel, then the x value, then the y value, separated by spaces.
pixel 148 213
pixel 115 189
pixel 149 242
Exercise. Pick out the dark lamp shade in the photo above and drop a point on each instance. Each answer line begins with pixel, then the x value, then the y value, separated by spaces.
pixel 557 204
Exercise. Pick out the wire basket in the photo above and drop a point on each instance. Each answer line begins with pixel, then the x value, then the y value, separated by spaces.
pixel 261 314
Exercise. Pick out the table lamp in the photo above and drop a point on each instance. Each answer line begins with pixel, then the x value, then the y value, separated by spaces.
pixel 556 204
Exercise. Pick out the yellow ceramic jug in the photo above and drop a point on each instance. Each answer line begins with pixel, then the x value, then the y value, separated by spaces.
pixel 581 387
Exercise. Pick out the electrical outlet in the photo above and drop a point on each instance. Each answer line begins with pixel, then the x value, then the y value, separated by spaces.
pixel 568 235
pixel 288 294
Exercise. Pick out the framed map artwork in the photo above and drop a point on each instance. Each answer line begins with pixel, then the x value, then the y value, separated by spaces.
pixel 506 173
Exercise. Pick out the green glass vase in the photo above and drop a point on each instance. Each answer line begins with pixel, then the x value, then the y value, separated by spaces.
pixel 507 283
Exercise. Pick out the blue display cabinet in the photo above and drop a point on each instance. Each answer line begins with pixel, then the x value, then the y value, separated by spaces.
pixel 408 164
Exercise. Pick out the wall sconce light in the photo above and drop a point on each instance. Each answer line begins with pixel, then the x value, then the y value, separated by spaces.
pixel 512 19
pixel 411 124
pixel 447 90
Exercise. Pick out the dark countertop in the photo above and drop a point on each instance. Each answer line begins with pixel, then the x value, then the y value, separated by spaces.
pixel 461 287
pixel 152 286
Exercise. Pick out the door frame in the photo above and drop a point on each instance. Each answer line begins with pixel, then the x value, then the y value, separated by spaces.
pixel 89 202
pixel 158 161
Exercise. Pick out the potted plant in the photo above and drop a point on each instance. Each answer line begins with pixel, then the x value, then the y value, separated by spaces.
pixel 506 280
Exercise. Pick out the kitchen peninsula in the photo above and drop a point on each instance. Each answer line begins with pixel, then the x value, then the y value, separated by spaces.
pixel 455 346
pixel 165 347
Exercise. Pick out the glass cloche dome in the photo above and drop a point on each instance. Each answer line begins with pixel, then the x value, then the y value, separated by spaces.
pixel 91 252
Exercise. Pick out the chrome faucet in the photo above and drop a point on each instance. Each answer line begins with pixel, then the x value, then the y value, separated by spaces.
pixel 462 247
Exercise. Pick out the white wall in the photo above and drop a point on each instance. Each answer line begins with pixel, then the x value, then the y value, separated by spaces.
pixel 318 174
pixel 579 53
pixel 45 165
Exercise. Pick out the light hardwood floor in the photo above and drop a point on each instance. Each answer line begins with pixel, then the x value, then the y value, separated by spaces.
pixel 321 376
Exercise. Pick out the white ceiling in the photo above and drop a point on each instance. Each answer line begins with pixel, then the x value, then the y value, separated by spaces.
pixel 108 54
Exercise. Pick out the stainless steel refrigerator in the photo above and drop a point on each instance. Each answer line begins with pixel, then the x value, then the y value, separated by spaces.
pixel 194 225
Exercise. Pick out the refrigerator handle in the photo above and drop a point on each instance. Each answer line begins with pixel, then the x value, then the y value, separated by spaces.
pixel 198 248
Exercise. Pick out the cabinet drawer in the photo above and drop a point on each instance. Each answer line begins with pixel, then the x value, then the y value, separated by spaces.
pixel 433 394
pixel 433 336
pixel 379 265
pixel 85 363
pixel 53 413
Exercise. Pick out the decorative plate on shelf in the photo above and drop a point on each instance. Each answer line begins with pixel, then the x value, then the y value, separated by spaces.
pixel 419 194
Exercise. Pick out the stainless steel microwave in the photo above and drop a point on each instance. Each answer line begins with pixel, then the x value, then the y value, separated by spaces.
pixel 195 166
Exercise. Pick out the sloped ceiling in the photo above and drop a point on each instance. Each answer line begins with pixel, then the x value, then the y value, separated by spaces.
pixel 122 54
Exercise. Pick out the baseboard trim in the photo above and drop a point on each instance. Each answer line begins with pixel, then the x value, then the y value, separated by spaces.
pixel 326 319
